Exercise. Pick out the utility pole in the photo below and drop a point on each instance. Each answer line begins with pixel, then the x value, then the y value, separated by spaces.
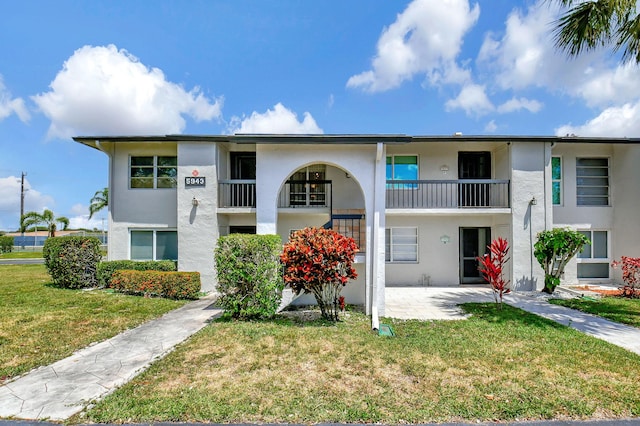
pixel 22 206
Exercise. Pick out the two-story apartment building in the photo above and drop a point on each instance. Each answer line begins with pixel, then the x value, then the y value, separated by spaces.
pixel 421 208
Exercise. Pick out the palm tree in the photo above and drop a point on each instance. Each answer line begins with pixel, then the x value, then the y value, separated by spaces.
pixel 99 201
pixel 590 24
pixel 47 218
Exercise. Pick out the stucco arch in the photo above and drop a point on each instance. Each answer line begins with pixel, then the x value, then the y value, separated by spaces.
pixel 364 163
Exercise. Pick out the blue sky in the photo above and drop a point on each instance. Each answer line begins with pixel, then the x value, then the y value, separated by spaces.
pixel 423 67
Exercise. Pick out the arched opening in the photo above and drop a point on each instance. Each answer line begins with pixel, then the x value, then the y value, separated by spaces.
pixel 321 194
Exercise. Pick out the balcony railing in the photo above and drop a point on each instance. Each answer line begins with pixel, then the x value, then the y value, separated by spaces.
pixel 305 194
pixel 237 193
pixel 447 194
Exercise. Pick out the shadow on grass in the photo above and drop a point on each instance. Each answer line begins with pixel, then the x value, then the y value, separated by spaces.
pixel 626 311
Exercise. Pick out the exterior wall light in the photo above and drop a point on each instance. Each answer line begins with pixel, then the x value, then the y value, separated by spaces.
pixel 444 169
pixel 195 202
pixel 445 239
pixel 533 201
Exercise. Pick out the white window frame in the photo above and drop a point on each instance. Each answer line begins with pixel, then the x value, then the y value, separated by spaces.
pixel 608 178
pixel 559 181
pixel 591 259
pixel 155 171
pixel 154 243
pixel 389 255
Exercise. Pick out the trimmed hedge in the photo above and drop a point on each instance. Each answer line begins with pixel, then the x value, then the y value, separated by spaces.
pixel 6 244
pixel 172 285
pixel 72 261
pixel 249 275
pixel 106 269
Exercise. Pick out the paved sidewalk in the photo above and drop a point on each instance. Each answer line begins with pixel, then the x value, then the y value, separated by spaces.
pixel 58 391
pixel 427 303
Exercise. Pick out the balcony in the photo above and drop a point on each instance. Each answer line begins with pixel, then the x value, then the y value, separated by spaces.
pixel 448 194
pixel 295 194
pixel 305 194
pixel 237 193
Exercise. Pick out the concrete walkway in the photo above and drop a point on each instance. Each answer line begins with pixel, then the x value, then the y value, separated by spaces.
pixel 58 391
pixel 441 303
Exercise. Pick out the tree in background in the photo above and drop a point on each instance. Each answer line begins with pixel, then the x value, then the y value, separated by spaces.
pixel 590 24
pixel 46 218
pixel 553 250
pixel 319 261
pixel 99 201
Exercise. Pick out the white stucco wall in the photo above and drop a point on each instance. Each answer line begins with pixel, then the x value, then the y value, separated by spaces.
pixel 620 218
pixel 137 208
pixel 438 263
pixel 275 163
pixel 626 211
pixel 530 163
pixel 198 225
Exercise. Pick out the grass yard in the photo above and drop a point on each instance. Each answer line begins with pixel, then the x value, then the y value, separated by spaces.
pixel 504 365
pixel 618 309
pixel 22 255
pixel 42 324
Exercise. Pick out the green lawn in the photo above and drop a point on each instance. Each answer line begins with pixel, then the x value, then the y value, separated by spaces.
pixel 41 323
pixel 618 309
pixel 22 255
pixel 497 366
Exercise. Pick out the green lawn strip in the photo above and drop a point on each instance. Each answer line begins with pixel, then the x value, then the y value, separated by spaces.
pixel 618 309
pixel 497 365
pixel 42 324
pixel 22 255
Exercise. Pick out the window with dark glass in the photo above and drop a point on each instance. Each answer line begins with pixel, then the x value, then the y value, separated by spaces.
pixel 153 172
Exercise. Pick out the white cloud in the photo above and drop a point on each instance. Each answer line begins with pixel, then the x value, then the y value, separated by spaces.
pixel 105 91
pixel 9 105
pixel 619 121
pixel 472 99
pixel 516 104
pixel 491 127
pixel 425 39
pixel 526 56
pixel 10 201
pixel 619 85
pixel 80 218
pixel 279 120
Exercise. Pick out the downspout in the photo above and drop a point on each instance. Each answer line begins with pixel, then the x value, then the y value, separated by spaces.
pixel 375 321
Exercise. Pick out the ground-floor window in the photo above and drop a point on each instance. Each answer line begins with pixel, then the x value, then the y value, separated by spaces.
pixel 401 244
pixel 154 245
pixel 593 260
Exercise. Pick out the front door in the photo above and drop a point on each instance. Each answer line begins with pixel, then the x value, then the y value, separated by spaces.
pixel 474 166
pixel 474 242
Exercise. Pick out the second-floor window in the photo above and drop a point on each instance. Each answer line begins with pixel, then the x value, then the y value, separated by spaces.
pixel 592 181
pixel 153 172
pixel 402 167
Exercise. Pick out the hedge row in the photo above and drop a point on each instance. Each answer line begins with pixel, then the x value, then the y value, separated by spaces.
pixel 72 261
pixel 172 285
pixel 106 269
pixel 6 244
pixel 249 275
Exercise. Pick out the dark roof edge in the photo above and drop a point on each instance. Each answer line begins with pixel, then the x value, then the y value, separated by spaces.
pixel 349 139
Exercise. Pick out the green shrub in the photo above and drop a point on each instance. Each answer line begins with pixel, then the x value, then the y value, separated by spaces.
pixel 172 285
pixel 72 261
pixel 6 244
pixel 249 275
pixel 106 269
